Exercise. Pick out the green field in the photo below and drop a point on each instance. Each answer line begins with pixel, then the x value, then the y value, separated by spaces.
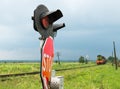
pixel 98 77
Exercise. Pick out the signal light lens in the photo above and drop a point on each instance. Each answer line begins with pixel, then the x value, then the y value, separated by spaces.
pixel 45 22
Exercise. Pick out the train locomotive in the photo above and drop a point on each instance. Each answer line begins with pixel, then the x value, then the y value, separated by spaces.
pixel 100 60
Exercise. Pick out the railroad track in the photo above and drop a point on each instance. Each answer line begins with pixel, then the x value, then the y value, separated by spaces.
pixel 37 72
pixel 19 74
pixel 75 68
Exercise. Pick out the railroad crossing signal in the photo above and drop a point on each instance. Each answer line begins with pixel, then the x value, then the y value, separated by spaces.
pixel 43 21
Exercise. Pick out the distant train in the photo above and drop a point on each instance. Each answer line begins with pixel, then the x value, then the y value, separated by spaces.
pixel 100 60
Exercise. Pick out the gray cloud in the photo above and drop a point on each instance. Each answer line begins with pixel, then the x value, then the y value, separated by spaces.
pixel 91 26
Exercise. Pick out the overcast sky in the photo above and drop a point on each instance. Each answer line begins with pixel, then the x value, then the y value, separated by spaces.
pixel 91 28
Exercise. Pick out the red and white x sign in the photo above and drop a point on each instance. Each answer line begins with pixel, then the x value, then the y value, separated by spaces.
pixel 46 63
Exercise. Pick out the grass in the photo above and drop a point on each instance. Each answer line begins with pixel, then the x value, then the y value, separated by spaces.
pixel 99 77
pixel 6 68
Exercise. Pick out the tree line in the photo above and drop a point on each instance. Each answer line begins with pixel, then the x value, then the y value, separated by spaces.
pixel 110 59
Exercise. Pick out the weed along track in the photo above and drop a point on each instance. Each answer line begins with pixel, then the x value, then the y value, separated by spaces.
pixel 37 72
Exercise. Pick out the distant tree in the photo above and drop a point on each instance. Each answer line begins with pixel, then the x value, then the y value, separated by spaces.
pixel 81 59
pixel 56 61
pixel 110 59
pixel 118 63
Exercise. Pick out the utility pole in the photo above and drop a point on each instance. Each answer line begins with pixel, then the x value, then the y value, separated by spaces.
pixel 58 55
pixel 115 58
pixel 86 59
pixel 112 59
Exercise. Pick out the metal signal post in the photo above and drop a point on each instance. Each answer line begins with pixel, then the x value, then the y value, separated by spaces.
pixel 47 55
pixel 43 23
